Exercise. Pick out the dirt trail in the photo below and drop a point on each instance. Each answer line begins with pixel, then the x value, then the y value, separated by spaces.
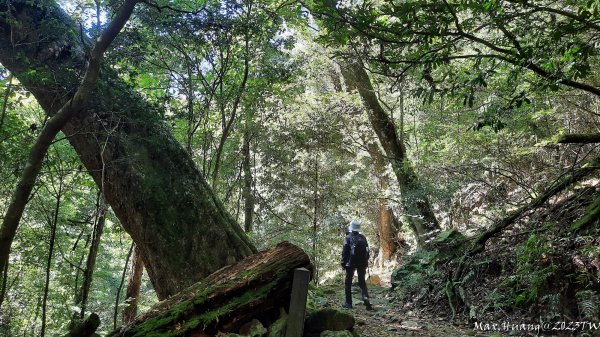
pixel 388 318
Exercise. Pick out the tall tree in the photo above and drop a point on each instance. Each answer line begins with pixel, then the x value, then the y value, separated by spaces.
pixel 53 223
pixel 150 181
pixel 247 189
pixel 134 283
pixel 415 201
pixel 88 272
pixel 389 242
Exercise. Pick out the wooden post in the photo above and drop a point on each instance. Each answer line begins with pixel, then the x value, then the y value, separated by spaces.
pixel 295 322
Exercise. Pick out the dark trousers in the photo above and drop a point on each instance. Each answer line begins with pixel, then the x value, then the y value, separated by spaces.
pixel 361 283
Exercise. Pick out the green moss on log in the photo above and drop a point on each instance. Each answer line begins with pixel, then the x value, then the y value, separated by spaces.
pixel 591 216
pixel 258 285
pixel 163 325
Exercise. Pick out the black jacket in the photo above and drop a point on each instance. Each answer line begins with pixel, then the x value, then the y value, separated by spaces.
pixel 346 261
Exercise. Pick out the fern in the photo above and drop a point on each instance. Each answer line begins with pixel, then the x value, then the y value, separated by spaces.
pixel 588 302
pixel 551 307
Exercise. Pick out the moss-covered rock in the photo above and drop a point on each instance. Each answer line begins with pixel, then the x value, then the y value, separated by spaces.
pixel 329 319
pixel 423 263
pixel 446 243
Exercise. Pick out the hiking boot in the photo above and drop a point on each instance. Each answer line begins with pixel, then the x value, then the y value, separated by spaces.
pixel 368 305
pixel 347 306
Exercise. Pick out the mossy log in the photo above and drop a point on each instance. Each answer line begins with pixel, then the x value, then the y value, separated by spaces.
pixel 254 288
pixel 591 216
pixel 579 138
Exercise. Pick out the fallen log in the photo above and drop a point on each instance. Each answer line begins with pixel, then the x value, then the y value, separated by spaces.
pixel 591 216
pixel 254 288
pixel 579 138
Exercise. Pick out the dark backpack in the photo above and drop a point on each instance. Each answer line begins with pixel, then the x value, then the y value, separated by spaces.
pixel 359 251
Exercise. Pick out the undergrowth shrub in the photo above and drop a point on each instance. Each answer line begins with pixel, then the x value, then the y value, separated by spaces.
pixel 532 271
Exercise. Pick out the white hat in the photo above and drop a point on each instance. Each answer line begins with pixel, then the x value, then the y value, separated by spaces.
pixel 354 226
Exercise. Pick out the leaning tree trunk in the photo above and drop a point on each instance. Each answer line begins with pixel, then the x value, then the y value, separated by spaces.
pixel 255 288
pixel 149 180
pixel 415 200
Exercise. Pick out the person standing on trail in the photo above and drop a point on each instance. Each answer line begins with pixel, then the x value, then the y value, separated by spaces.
pixel 355 257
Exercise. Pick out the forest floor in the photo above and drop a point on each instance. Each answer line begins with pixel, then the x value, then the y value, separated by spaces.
pixel 388 318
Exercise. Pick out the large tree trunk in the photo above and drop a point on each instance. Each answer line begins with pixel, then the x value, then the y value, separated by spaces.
pixel 150 182
pixel 414 199
pixel 255 288
pixel 388 233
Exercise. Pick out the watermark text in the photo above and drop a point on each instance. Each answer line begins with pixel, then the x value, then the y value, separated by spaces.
pixel 537 327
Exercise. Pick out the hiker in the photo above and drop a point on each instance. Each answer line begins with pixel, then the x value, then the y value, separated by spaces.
pixel 355 256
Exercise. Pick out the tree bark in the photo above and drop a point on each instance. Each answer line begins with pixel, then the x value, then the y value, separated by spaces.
pixel 248 182
pixel 255 288
pixel 4 281
pixel 388 234
pixel 134 282
pixel 120 287
pixel 414 199
pixel 150 181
